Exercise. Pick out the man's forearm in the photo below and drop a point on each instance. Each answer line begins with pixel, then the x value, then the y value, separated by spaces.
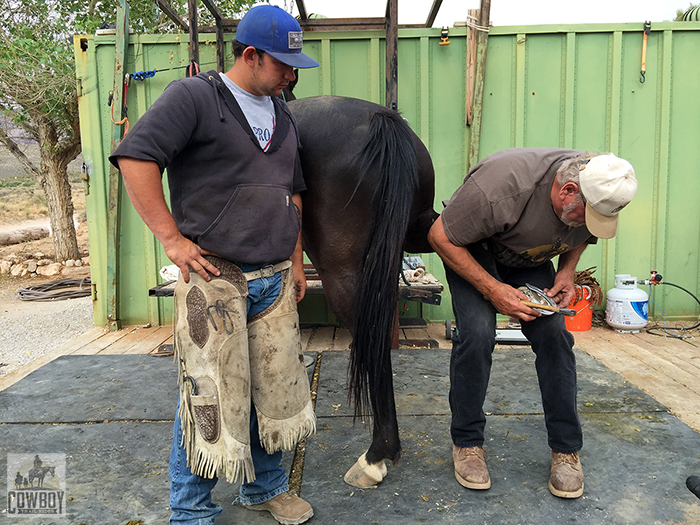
pixel 569 260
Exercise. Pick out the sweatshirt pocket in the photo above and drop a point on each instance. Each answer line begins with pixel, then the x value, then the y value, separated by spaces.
pixel 258 224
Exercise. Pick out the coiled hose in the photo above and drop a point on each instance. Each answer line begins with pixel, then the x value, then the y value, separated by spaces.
pixel 56 290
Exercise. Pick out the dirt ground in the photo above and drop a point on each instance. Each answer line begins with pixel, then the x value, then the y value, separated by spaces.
pixel 44 246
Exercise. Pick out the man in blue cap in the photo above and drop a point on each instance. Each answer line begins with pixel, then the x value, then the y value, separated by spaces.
pixel 234 230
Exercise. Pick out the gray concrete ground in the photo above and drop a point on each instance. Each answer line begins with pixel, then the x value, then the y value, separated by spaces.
pixel 112 418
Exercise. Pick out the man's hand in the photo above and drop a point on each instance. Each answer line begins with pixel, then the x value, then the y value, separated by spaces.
pixel 507 300
pixel 299 280
pixel 186 254
pixel 563 290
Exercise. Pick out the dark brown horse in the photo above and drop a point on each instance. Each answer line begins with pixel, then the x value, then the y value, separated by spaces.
pixel 370 196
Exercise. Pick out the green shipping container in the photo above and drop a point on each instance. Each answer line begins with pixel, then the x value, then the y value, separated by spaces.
pixel 575 86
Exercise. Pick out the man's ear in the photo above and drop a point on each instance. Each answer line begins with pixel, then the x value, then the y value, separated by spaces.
pixel 250 56
pixel 569 189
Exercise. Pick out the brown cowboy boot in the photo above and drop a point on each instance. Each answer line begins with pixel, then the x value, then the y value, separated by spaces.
pixel 286 508
pixel 566 475
pixel 470 467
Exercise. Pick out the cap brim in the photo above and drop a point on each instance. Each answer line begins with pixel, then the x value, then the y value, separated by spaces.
pixel 299 60
pixel 599 225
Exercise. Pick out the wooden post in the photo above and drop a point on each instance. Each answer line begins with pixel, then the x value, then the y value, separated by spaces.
pixel 194 31
pixel 120 50
pixel 218 18
pixel 473 16
pixel 392 60
pixel 482 41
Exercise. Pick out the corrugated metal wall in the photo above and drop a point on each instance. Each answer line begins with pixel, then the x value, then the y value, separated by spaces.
pixel 546 86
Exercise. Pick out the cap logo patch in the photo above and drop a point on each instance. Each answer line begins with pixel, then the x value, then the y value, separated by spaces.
pixel 296 39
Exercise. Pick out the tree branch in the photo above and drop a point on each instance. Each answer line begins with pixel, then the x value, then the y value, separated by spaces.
pixel 19 155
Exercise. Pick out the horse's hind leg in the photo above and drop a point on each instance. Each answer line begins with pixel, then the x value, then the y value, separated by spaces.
pixel 370 469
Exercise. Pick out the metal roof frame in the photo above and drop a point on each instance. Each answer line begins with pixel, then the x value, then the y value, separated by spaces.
pixel 389 23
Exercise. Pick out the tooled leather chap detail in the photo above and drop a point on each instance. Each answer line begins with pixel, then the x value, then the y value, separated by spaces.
pixel 219 373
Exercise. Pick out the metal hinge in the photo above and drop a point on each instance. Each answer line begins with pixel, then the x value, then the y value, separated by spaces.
pixel 93 291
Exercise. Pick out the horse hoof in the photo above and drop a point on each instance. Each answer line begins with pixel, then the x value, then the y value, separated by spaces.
pixel 363 475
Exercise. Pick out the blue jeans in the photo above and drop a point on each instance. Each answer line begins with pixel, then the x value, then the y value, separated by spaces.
pixel 470 363
pixel 190 495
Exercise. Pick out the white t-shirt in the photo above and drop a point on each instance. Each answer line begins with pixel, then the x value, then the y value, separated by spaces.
pixel 259 111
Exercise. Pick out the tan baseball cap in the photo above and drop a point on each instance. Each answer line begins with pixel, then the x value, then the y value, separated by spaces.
pixel 608 185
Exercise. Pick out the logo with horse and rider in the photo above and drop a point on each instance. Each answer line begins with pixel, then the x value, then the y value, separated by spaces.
pixel 36 484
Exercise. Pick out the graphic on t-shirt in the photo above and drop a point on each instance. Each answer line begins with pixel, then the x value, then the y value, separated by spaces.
pixel 264 135
pixel 533 256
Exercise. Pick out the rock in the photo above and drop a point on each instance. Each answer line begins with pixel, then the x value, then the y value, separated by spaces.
pixel 5 267
pixel 76 271
pixel 78 262
pixel 17 270
pixel 39 255
pixel 44 262
pixel 86 260
pixel 31 265
pixel 49 270
pixel 69 262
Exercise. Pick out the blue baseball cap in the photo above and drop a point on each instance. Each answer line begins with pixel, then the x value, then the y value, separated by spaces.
pixel 273 30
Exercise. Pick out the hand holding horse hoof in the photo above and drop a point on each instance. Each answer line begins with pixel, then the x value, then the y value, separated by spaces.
pixel 364 475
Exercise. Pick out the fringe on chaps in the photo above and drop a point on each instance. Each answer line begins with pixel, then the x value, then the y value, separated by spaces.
pixel 226 360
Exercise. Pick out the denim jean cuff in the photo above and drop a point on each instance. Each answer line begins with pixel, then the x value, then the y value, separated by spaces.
pixel 566 451
pixel 470 444
pixel 257 499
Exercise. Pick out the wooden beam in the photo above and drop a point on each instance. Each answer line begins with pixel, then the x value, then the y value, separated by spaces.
pixel 218 17
pixel 302 10
pixel 433 13
pixel 335 24
pixel 172 15
pixel 392 57
pixel 473 16
pixel 211 6
pixel 482 42
pixel 194 31
pixel 322 24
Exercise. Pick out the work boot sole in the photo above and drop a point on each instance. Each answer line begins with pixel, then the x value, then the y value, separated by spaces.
pixel 472 485
pixel 563 494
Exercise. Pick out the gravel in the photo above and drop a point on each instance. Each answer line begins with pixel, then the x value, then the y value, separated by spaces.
pixel 30 329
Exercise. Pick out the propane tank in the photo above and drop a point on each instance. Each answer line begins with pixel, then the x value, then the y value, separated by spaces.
pixel 627 307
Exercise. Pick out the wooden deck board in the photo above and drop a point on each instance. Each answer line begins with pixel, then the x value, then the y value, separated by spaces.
pixel 342 339
pixel 322 339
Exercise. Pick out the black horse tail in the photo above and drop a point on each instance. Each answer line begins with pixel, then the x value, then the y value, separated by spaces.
pixel 389 148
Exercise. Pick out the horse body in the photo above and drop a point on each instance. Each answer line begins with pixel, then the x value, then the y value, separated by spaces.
pixel 39 473
pixel 370 191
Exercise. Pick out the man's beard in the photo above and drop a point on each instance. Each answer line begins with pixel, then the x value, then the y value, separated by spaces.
pixel 568 209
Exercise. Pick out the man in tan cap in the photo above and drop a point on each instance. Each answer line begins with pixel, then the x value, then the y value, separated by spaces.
pixel 515 211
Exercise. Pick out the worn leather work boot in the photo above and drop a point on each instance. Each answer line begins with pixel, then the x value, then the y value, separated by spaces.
pixel 470 468
pixel 286 508
pixel 566 475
